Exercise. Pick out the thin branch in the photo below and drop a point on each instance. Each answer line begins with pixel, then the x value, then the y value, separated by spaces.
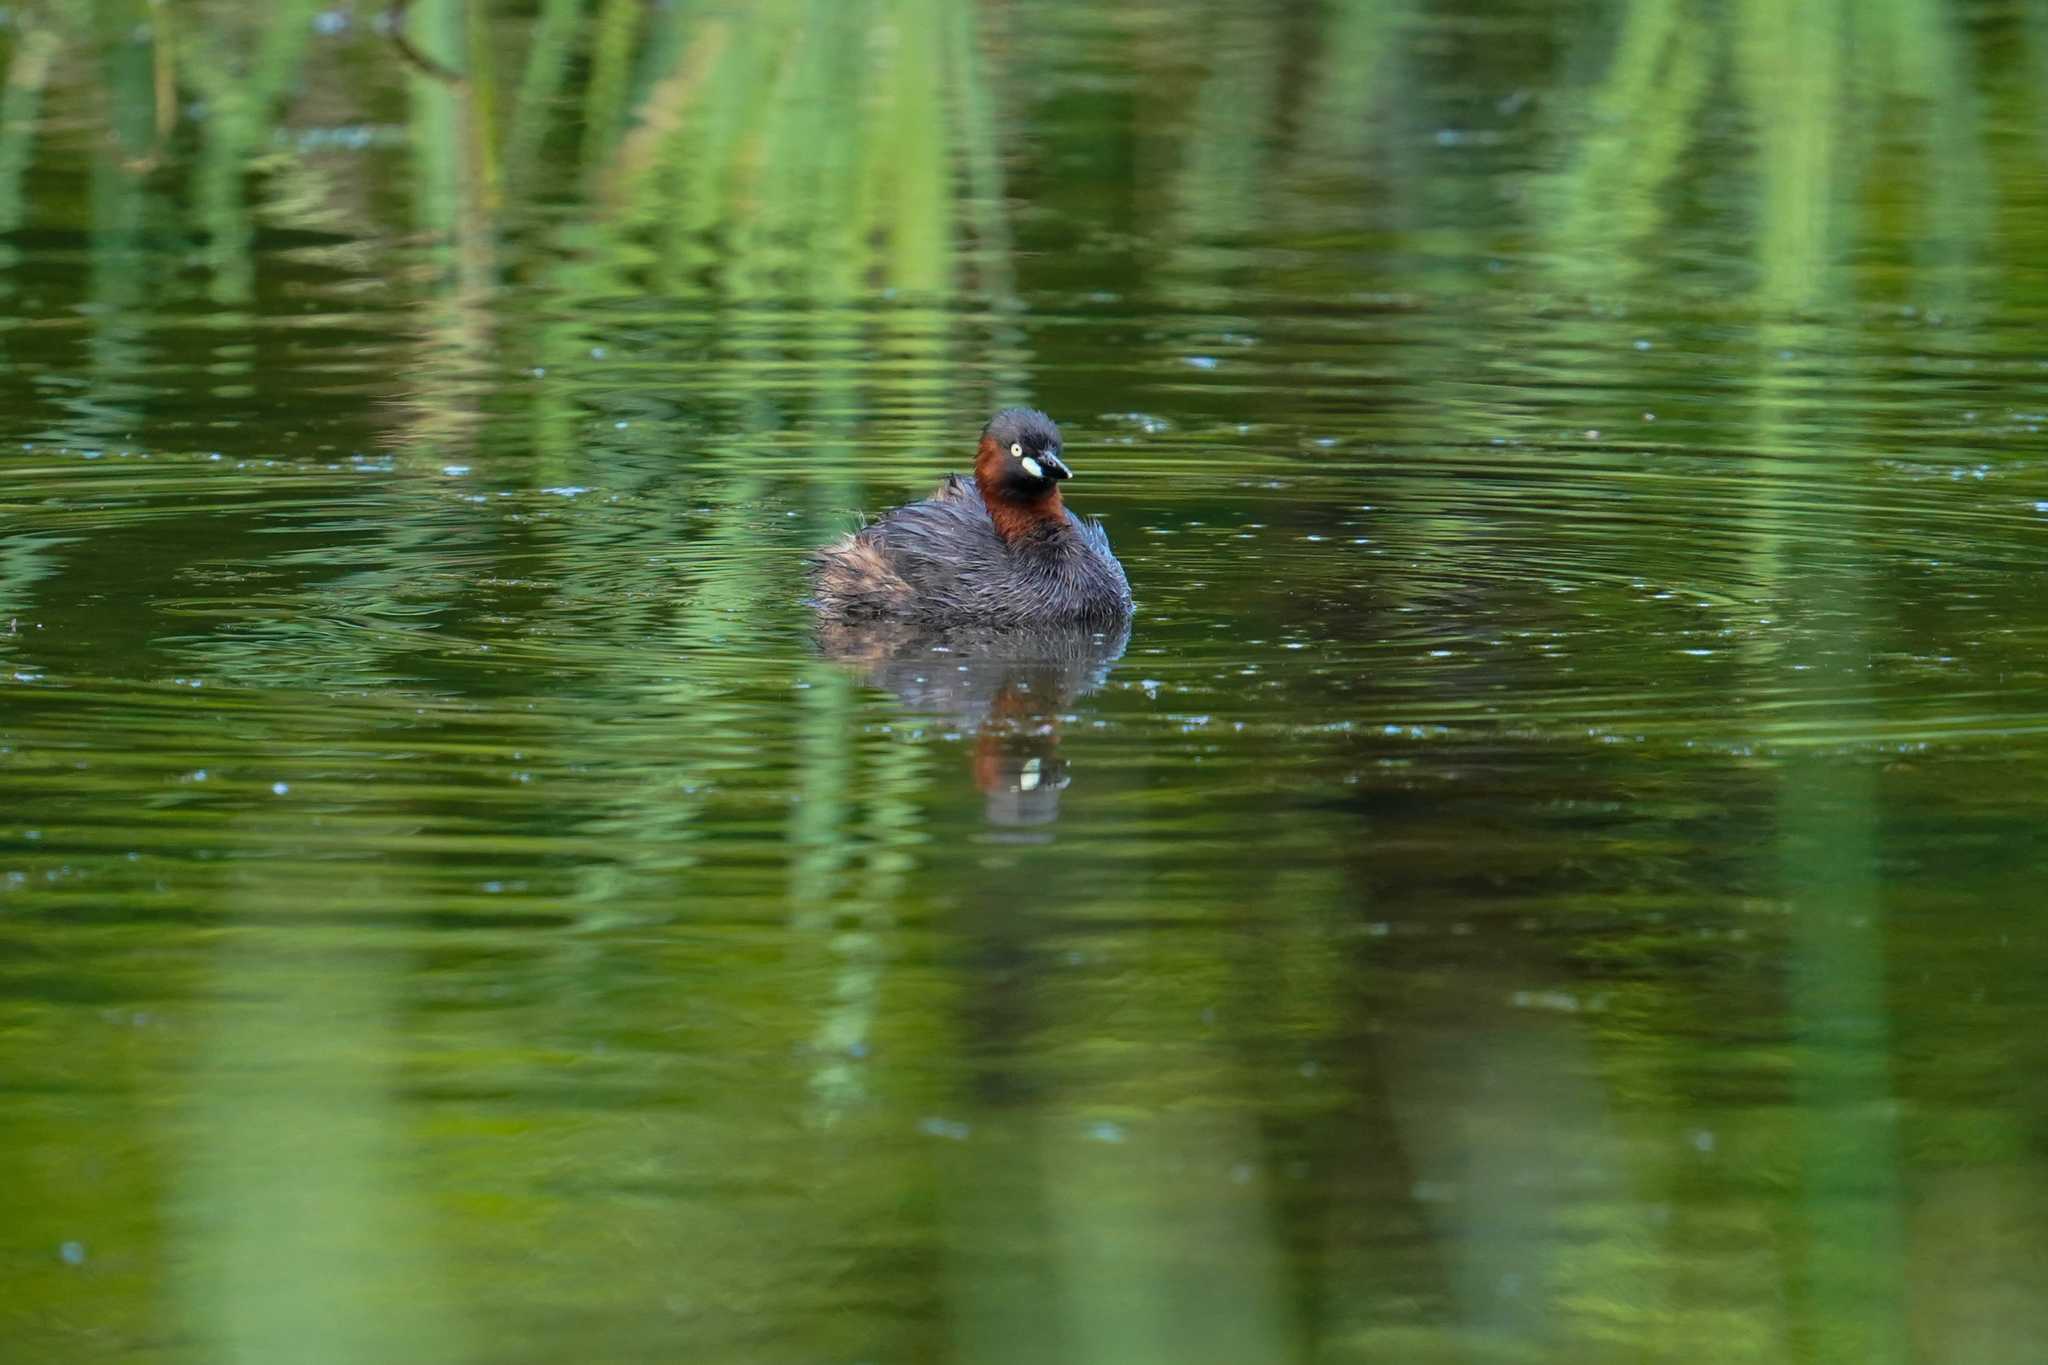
pixel 394 26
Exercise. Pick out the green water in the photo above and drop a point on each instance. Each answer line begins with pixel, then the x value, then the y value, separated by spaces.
pixel 1553 874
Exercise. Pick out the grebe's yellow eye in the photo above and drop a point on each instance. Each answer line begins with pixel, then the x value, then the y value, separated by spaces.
pixel 1016 450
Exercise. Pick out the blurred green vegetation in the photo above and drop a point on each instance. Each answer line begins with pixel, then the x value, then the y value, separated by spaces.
pixel 841 152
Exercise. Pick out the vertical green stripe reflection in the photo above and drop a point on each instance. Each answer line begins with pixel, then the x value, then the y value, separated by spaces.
pixel 1847 1266
pixel 305 1230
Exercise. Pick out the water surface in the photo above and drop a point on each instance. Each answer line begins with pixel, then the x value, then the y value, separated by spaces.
pixel 1551 875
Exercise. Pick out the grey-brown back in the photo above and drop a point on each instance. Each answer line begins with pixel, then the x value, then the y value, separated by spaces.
pixel 942 560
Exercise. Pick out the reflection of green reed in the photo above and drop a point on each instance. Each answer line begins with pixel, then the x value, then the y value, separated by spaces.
pixel 1819 181
pixel 1937 156
pixel 28 70
pixel 241 100
pixel 1788 55
pixel 1638 126
pixel 1353 73
pixel 540 86
pixel 1222 181
pixel 300 1188
pixel 24 560
pixel 1614 204
pixel 1849 1277
pixel 121 214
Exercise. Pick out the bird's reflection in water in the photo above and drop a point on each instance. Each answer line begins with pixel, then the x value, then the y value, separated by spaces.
pixel 1008 687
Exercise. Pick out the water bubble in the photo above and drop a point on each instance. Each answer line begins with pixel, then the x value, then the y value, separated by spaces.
pixel 1143 421
pixel 280 788
pixel 1200 362
pixel 1563 1002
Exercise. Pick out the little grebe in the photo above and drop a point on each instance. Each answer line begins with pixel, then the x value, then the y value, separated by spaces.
pixel 1012 556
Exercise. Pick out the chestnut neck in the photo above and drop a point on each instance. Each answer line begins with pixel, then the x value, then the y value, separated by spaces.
pixel 1015 518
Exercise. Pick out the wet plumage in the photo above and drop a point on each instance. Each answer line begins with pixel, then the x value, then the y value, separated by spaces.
pixel 1000 550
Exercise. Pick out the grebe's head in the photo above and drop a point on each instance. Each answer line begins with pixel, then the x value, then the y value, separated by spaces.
pixel 1020 455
